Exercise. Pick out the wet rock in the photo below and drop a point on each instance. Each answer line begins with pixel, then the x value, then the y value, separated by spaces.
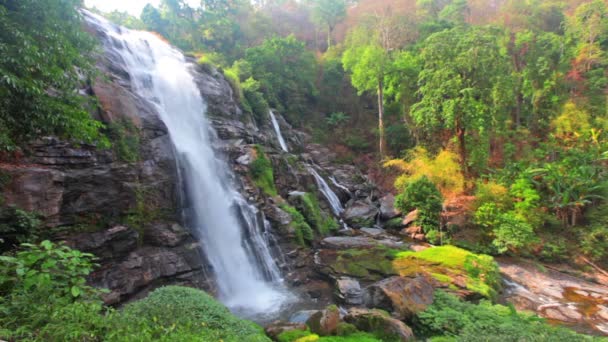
pixel 360 214
pixel 117 103
pixel 325 322
pixel 380 323
pixel 274 329
pixel 348 291
pixel 404 297
pixel 560 312
pixel 387 207
pixel 302 316
pixel 374 232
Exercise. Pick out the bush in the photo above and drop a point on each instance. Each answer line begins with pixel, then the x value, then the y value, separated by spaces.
pixel 492 192
pixel 17 226
pixel 175 313
pixel 423 195
pixel 125 140
pixel 41 286
pixel 254 99
pixel 594 242
pixel 451 317
pixel 513 233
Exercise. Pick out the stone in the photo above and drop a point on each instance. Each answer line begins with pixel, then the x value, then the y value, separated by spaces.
pixel 360 214
pixel 374 232
pixel 411 217
pixel 348 242
pixel 348 291
pixel 110 244
pixel 376 321
pixel 412 230
pixel 276 328
pixel 325 322
pixel 404 297
pixel 164 234
pixel 387 208
pixel 302 316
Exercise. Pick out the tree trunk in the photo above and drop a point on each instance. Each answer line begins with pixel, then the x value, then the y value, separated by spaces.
pixel 329 29
pixel 382 141
pixel 460 132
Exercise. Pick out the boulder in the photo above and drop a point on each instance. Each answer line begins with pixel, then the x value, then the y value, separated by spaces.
pixel 410 217
pixel 276 328
pixel 387 208
pixel 360 214
pixel 379 323
pixel 325 322
pixel 348 242
pixel 348 291
pixel 404 297
pixel 374 232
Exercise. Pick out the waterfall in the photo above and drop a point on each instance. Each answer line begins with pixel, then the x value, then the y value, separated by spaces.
pixel 231 230
pixel 330 195
pixel 277 130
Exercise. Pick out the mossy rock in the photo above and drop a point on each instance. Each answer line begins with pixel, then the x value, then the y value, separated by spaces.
pixel 308 204
pixel 451 265
pixel 367 263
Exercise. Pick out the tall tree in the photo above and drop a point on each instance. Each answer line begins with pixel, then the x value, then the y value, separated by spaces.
pixel 328 13
pixel 371 49
pixel 459 84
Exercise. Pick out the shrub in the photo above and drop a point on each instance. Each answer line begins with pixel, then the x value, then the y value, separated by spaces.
pixel 423 195
pixel 513 233
pixel 594 242
pixel 42 285
pixel 126 141
pixel 492 192
pixel 451 317
pixel 175 313
pixel 262 173
pixel 255 101
pixel 17 226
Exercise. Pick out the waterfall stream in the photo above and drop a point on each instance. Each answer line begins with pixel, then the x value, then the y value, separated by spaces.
pixel 277 130
pixel 330 195
pixel 232 232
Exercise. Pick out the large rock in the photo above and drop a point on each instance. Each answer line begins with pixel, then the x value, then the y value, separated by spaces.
pixel 387 208
pixel 360 214
pixel 110 244
pixel 378 322
pixel 404 297
pixel 325 322
pixel 348 291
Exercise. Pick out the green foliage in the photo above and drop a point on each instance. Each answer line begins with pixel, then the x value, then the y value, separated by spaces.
pixel 293 335
pixel 337 119
pixel 16 227
pixel 304 234
pixel 41 285
pixel 176 313
pixel 594 242
pixel 125 140
pixel 423 195
pixel 451 317
pixel 262 173
pixel 285 70
pixel 44 54
pixel 255 99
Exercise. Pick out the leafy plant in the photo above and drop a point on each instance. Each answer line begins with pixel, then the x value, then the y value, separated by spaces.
pixel 422 194
pixel 262 173
pixel 17 226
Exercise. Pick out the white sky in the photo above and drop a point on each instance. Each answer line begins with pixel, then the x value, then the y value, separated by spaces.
pixel 134 7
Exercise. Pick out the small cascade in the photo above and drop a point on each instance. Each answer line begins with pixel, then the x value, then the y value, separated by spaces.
pixel 330 195
pixel 277 130
pixel 232 232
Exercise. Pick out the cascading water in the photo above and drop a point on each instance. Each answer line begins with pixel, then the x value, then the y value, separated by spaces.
pixel 231 230
pixel 277 130
pixel 330 195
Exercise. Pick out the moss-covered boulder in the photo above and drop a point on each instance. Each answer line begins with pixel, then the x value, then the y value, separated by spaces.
pixel 369 264
pixel 380 324
pixel 325 322
pixel 454 268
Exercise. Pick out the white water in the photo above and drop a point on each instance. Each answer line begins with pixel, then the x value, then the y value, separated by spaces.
pixel 330 195
pixel 277 130
pixel 231 230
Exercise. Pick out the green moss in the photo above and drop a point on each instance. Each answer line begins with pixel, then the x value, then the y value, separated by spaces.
pixel 293 335
pixel 262 173
pixel 304 233
pixel 372 264
pixel 446 262
pixel 355 337
pixel 396 223
pixel 308 204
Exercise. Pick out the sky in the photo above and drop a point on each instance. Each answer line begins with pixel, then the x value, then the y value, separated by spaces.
pixel 134 7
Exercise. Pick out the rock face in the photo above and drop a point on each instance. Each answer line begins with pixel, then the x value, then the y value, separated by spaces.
pixel 380 323
pixel 404 297
pixel 360 214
